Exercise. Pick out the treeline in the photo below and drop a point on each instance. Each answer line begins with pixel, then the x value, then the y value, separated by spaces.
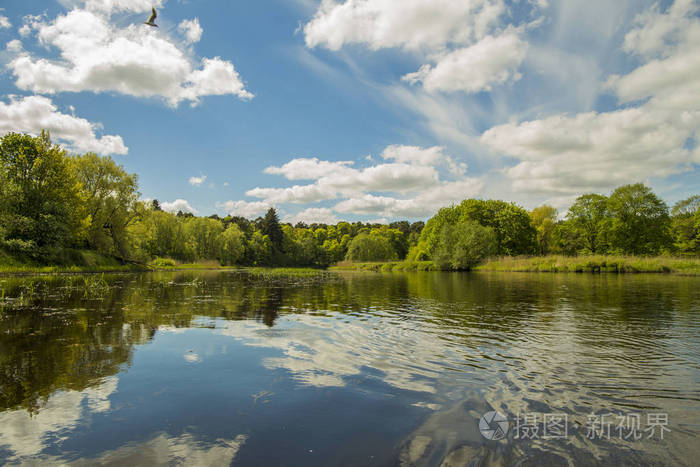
pixel 53 204
pixel 631 221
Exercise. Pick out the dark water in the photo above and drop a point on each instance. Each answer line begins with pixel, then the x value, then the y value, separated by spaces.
pixel 214 368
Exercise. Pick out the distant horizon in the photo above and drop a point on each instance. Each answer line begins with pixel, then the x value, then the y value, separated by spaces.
pixel 363 110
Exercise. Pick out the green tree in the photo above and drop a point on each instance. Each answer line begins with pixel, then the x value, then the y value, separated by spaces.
pixel 270 226
pixel 40 205
pixel 588 223
pixel 463 245
pixel 231 245
pixel 640 220
pixel 685 225
pixel 544 220
pixel 110 195
pixel 510 223
pixel 367 247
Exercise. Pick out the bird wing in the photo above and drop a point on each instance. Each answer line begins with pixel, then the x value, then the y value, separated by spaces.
pixel 153 15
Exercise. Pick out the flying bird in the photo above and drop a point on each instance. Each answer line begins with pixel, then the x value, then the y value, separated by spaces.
pixel 153 17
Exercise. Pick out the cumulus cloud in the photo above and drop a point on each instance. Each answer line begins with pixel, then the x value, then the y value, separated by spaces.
pixel 344 180
pixel 5 22
pixel 423 205
pixel 95 55
pixel 178 205
pixel 245 208
pixel 196 181
pixel 492 60
pixel 471 48
pixel 307 168
pixel 410 171
pixel 410 24
pixel 191 29
pixel 591 151
pixel 313 216
pixel 32 114
pixel 14 45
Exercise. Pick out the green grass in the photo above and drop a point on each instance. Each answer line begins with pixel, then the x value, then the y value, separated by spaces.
pixel 385 266
pixel 69 261
pixel 553 263
pixel 593 263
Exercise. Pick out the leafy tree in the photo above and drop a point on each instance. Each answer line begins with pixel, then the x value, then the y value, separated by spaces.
pixel 155 205
pixel 463 245
pixel 40 205
pixel 640 220
pixel 544 220
pixel 589 223
pixel 270 226
pixel 510 223
pixel 231 245
pixel 366 247
pixel 110 196
pixel 685 225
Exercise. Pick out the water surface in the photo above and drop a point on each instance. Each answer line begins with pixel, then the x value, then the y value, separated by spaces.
pixel 217 368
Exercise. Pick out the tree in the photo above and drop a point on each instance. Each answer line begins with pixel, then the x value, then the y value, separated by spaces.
pixel 544 220
pixel 685 225
pixel 588 223
pixel 231 245
pixel 270 226
pixel 110 195
pixel 640 220
pixel 367 247
pixel 510 223
pixel 40 205
pixel 463 245
pixel 155 205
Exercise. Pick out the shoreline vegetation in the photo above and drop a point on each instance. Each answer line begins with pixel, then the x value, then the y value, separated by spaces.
pixel 617 264
pixel 72 213
pixel 551 264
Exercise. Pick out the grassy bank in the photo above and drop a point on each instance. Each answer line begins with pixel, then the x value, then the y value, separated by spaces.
pixel 554 263
pixel 595 263
pixel 72 261
pixel 385 266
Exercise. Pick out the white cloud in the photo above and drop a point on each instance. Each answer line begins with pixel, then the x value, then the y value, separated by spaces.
pixel 196 181
pixel 492 60
pixel 411 24
pixel 313 216
pixel 423 205
pixel 191 29
pixel 410 170
pixel 97 56
pixel 592 151
pixel 245 208
pixel 566 154
pixel 178 205
pixel 32 114
pixel 424 156
pixel 24 30
pixel 5 22
pixel 14 46
pixel 307 168
pixel 114 6
pixel 393 177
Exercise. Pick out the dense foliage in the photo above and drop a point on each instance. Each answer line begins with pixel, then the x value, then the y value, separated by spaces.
pixel 52 202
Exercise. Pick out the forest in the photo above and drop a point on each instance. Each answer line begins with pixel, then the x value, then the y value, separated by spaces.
pixel 54 204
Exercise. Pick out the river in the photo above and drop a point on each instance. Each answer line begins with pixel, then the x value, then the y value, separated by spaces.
pixel 350 368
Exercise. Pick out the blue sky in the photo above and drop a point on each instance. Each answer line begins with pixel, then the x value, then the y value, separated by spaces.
pixel 363 109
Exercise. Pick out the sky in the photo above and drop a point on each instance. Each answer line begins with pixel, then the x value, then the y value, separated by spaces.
pixel 372 110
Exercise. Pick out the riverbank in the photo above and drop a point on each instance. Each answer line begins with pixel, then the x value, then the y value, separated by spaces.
pixel 385 266
pixel 594 263
pixel 552 263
